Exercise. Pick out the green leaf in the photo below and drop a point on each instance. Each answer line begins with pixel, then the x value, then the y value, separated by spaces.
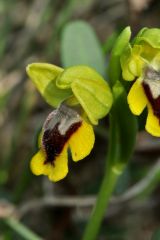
pixel 21 229
pixel 114 66
pixel 90 89
pixel 125 128
pixel 80 45
pixel 156 235
pixel 44 77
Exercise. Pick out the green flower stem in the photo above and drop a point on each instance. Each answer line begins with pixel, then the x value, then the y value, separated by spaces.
pixel 21 229
pixel 101 206
pixel 122 137
pixel 107 186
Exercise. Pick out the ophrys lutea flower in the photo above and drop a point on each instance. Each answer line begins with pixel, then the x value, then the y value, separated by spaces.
pixel 140 63
pixel 81 97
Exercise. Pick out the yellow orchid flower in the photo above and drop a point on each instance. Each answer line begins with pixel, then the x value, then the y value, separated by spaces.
pixel 140 63
pixel 81 97
pixel 63 129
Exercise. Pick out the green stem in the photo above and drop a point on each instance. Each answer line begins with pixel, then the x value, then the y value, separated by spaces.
pixel 21 229
pixel 99 211
pixel 107 186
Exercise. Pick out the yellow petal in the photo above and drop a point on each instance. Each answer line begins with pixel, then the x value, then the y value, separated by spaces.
pixel 136 98
pixel 136 65
pixel 56 171
pixel 59 170
pixel 37 163
pixel 133 67
pixel 82 141
pixel 127 75
pixel 152 124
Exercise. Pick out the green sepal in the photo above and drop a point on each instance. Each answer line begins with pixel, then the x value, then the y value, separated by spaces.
pixel 125 128
pixel 90 89
pixel 78 72
pixel 114 66
pixel 124 60
pixel 44 75
pixel 150 36
pixel 139 34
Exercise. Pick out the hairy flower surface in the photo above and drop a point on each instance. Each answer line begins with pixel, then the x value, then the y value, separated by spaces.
pixel 140 63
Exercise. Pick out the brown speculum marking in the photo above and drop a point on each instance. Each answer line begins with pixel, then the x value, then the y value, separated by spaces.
pixel 151 77
pixel 54 142
pixel 58 128
pixel 155 103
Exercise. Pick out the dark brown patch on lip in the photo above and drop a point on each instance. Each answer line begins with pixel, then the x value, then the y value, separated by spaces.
pixel 150 74
pixel 155 102
pixel 53 141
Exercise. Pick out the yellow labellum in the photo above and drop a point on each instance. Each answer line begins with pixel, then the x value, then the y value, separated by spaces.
pixel 136 98
pixel 81 143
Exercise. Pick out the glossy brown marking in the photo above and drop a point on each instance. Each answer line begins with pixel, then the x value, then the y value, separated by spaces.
pixel 53 142
pixel 152 75
pixel 155 102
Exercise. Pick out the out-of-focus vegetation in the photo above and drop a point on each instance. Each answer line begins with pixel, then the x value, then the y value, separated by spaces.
pixel 34 31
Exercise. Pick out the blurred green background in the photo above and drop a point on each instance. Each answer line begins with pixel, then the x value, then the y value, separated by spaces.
pixel 36 31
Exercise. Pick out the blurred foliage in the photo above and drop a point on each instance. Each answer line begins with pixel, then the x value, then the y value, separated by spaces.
pixel 31 31
pixel 156 235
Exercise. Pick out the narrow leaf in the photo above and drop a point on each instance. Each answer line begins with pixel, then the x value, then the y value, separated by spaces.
pixel 114 66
